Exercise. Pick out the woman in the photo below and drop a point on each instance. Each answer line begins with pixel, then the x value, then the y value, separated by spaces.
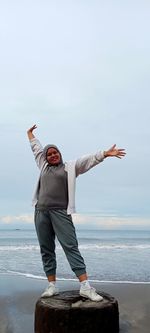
pixel 54 201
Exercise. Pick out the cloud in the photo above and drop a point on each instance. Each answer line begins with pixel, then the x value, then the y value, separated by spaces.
pixel 111 222
pixel 10 219
pixel 85 221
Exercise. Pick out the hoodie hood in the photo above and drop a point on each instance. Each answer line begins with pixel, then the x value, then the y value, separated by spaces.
pixel 52 146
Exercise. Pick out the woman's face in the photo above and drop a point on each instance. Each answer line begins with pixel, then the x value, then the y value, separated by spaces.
pixel 53 156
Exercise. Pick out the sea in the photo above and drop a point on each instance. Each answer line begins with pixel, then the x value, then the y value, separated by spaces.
pixel 110 255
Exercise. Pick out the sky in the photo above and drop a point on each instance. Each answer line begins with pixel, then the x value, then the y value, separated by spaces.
pixel 80 71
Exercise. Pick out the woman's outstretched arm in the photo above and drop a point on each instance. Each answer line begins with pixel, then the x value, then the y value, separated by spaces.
pixel 87 162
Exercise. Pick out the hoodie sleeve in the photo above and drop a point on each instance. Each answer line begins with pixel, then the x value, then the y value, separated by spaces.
pixel 87 162
pixel 37 150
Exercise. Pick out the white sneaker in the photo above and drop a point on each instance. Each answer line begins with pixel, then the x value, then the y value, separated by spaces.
pixel 51 290
pixel 91 294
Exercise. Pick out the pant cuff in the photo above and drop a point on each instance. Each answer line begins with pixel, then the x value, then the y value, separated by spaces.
pixel 52 272
pixel 80 272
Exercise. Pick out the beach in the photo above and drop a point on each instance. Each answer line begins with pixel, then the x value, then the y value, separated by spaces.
pixel 116 264
pixel 19 294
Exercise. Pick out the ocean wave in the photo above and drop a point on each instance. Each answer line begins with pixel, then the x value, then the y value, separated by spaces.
pixel 81 247
pixel 19 247
pixel 114 246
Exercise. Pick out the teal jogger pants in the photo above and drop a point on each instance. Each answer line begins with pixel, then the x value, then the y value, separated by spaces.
pixel 55 222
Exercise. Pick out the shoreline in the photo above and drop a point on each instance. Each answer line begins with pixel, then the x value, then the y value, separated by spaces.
pixel 19 294
pixel 43 278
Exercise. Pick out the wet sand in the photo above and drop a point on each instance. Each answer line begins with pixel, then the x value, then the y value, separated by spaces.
pixel 18 296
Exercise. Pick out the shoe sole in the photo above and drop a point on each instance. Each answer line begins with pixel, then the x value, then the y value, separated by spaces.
pixel 46 296
pixel 100 300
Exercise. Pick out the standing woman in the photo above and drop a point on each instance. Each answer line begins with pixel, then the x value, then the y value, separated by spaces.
pixel 54 201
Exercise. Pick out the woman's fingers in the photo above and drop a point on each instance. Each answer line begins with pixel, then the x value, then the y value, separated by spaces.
pixel 32 128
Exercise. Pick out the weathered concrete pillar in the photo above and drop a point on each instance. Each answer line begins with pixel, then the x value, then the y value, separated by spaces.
pixel 68 312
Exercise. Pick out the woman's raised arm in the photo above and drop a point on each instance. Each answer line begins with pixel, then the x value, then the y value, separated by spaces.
pixel 36 147
pixel 30 132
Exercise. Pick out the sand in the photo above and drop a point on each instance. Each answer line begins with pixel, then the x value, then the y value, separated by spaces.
pixel 18 296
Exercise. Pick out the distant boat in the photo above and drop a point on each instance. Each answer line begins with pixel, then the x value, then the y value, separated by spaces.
pixel 17 229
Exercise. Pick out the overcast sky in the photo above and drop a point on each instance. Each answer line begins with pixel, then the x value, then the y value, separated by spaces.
pixel 80 70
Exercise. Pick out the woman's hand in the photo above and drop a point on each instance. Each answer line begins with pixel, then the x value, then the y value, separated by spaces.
pixel 30 132
pixel 114 152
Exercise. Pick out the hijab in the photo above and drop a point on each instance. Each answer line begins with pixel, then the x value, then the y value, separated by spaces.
pixel 52 146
